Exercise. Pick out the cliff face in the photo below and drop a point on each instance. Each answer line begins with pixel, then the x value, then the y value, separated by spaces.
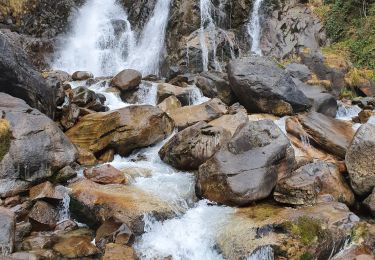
pixel 288 27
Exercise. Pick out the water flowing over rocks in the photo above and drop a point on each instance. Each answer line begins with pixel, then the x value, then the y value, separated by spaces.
pixel 263 87
pixel 248 167
pixel 38 148
pixel 360 160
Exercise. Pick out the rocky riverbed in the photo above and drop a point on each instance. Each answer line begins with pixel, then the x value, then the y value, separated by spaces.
pixel 233 156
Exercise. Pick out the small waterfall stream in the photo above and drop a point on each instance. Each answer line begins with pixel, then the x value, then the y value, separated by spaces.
pixel 254 27
pixel 102 40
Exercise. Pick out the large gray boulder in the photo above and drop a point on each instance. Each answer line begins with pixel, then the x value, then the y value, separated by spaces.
pixel 188 149
pixel 261 86
pixel 248 167
pixel 8 229
pixel 360 160
pixel 322 101
pixel 36 149
pixel 19 78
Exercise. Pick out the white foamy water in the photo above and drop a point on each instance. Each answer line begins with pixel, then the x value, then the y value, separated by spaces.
pixel 347 112
pixel 207 35
pixel 102 40
pixel 189 237
pixel 254 27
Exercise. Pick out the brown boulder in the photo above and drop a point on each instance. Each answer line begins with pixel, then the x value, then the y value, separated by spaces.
pixel 82 75
pixel 369 202
pixel 169 104
pixel 166 90
pixel 43 216
pixel 115 252
pixel 45 190
pixel 127 80
pixel 330 134
pixel 105 174
pixel 194 145
pixel 248 167
pixel 312 180
pixel 76 246
pixel 92 202
pixel 190 115
pixel 123 130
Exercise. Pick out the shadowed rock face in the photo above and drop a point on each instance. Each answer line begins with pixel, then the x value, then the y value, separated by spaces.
pixel 38 148
pixel 263 87
pixel 247 168
pixel 360 160
pixel 19 78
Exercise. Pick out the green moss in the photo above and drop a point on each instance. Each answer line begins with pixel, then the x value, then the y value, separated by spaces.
pixel 5 137
pixel 347 93
pixel 359 232
pixel 306 256
pixel 308 230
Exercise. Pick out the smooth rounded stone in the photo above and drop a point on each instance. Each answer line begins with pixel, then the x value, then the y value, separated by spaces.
pixel 57 76
pixel 248 167
pixel 332 135
pixel 365 115
pixel 214 84
pixel 262 87
pixel 360 160
pixel 312 180
pixel 47 191
pixel 76 246
pixel 165 90
pixel 322 101
pixel 43 216
pixel 105 174
pixel 20 78
pixel 8 231
pixel 125 203
pixel 369 202
pixel 115 252
pixel 123 130
pixel 169 104
pixel 42 240
pixel 84 97
pixel 82 75
pixel 236 116
pixel 291 232
pixel 37 150
pixel 299 71
pixel 127 80
pixel 194 145
pixel 190 115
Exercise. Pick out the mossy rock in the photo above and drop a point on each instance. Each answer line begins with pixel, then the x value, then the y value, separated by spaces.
pixel 5 137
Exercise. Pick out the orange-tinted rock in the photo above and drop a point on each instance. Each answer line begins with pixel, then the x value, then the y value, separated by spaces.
pixel 115 252
pixel 43 216
pixel 105 174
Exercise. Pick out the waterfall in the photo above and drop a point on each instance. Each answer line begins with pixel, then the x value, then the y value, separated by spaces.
pixel 254 28
pixel 207 34
pixel 102 40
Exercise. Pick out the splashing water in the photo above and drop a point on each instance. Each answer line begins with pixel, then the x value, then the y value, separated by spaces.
pixel 347 112
pixel 207 35
pixel 263 253
pixel 254 27
pixel 64 211
pixel 103 42
pixel 192 236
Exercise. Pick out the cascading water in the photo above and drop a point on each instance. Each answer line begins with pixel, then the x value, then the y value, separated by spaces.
pixel 207 35
pixel 254 27
pixel 93 44
pixel 103 42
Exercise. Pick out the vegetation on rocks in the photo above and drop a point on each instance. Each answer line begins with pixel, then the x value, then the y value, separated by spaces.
pixel 5 135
